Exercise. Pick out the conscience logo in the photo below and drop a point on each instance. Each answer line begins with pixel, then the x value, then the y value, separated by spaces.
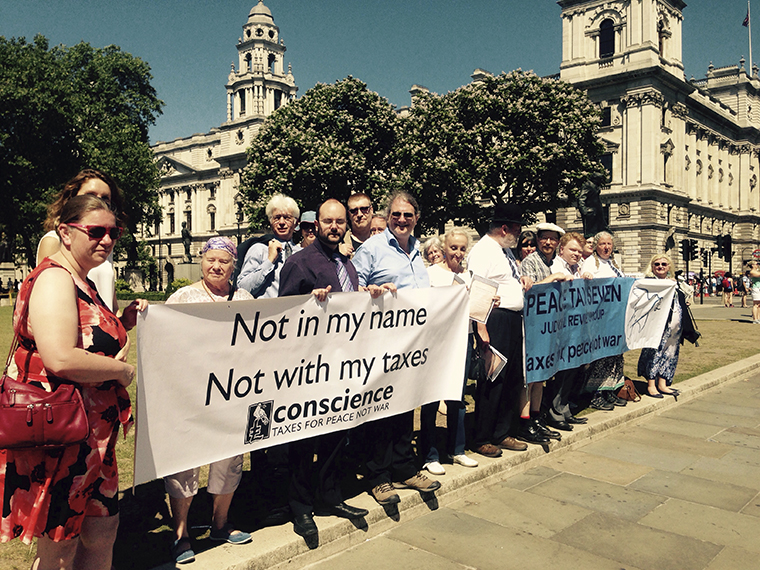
pixel 259 421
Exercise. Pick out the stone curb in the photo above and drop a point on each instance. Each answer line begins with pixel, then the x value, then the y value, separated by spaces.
pixel 280 548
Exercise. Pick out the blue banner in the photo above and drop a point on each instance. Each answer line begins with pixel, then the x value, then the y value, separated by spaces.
pixel 572 323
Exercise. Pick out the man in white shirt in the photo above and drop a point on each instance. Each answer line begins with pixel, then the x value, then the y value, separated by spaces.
pixel 495 401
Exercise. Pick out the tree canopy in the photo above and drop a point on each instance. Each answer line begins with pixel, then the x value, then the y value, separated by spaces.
pixel 514 138
pixel 335 140
pixel 63 109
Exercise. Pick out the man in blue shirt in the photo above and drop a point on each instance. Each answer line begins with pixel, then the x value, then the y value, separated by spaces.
pixel 393 257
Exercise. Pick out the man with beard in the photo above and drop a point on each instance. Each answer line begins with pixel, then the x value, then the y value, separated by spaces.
pixel 320 269
pixel 495 401
pixel 260 271
pixel 393 257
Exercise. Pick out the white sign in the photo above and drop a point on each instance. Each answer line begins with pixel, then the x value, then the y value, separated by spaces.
pixel 220 379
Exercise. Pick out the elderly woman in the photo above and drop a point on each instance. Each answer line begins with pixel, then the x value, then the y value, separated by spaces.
pixel 455 245
pixel 526 244
pixel 68 497
pixel 217 263
pixel 604 377
pixel 96 183
pixel 432 250
pixel 658 366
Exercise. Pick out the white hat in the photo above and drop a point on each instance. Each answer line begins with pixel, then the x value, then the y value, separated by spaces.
pixel 547 227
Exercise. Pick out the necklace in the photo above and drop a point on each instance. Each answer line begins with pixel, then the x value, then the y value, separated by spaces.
pixel 209 293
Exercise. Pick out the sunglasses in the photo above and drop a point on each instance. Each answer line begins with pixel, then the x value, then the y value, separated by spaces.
pixel 527 245
pixel 308 228
pixel 99 232
pixel 406 215
pixel 660 264
pixel 363 209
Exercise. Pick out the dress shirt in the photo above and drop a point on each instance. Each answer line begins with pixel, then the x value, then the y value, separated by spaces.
pixel 559 265
pixel 381 260
pixel 489 260
pixel 536 266
pixel 257 269
pixel 313 268
pixel 604 268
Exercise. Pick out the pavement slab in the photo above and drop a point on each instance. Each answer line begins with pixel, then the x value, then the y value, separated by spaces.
pixel 598 467
pixel 633 544
pixel 733 558
pixel 540 516
pixel 729 469
pixel 752 507
pixel 641 454
pixel 614 500
pixel 695 489
pixel 383 553
pixel 530 478
pixel 706 523
pixel 739 436
pixel 692 414
pixel 683 443
pixel 481 544
pixel 680 427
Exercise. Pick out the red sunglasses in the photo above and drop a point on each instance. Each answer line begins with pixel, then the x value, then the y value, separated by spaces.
pixel 99 232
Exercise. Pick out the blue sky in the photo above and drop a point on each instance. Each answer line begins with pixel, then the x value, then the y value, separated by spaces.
pixel 388 44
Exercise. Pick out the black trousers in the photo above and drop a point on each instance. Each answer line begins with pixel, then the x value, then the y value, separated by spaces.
pixel 495 402
pixel 315 482
pixel 391 452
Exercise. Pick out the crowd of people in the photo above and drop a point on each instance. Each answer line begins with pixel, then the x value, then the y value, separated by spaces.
pixel 69 332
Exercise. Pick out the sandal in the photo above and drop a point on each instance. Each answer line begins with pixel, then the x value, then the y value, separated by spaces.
pixel 228 534
pixel 182 550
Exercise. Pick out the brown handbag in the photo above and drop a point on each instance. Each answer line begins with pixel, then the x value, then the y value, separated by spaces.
pixel 628 391
pixel 33 417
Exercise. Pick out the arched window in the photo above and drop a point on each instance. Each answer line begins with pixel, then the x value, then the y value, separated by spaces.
pixel 606 39
pixel 248 64
pixel 272 59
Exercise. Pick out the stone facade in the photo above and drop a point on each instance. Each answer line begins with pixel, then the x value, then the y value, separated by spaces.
pixel 200 174
pixel 682 154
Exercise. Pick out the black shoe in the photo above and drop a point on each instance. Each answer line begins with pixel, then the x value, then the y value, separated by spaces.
pixel 576 420
pixel 530 434
pixel 543 430
pixel 342 510
pixel 558 424
pixel 613 398
pixel 304 525
pixel 599 402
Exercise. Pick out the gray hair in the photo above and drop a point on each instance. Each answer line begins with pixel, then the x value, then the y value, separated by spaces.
pixel 282 203
pixel 457 231
pixel 430 242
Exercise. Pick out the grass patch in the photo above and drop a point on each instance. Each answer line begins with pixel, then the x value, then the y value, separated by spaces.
pixel 145 535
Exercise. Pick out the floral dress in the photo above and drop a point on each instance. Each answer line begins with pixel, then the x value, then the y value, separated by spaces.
pixel 662 362
pixel 50 491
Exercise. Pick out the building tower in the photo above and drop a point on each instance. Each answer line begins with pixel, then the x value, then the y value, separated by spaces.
pixel 682 156
pixel 200 174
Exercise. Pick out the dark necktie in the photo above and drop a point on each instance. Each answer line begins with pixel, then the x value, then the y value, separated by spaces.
pixel 343 278
pixel 286 251
pixel 512 263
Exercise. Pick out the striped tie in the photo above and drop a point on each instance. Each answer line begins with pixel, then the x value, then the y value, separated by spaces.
pixel 512 263
pixel 340 267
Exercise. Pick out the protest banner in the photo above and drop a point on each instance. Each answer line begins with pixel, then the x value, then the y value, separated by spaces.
pixel 576 322
pixel 220 379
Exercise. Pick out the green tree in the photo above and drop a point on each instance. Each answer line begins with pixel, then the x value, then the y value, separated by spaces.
pixel 335 140
pixel 63 109
pixel 515 137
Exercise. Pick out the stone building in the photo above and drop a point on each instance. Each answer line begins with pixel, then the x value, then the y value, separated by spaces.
pixel 682 154
pixel 200 173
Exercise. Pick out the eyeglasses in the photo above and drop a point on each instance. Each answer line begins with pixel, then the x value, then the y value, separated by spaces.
pixel 548 238
pixel 284 217
pixel 99 232
pixel 660 264
pixel 363 209
pixel 406 215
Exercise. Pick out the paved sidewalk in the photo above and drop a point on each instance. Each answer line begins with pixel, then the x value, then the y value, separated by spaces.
pixel 656 485
pixel 676 489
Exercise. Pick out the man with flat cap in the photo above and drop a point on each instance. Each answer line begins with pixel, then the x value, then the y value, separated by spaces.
pixel 495 401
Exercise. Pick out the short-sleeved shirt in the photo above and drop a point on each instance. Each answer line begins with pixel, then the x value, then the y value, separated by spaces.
pixel 536 266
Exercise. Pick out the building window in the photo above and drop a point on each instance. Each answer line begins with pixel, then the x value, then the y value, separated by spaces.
pixel 277 98
pixel 272 59
pixel 171 197
pixel 188 195
pixel 248 64
pixel 241 99
pixel 607 116
pixel 189 220
pixel 172 227
pixel 606 39
pixel 606 160
pixel 212 221
pixel 211 192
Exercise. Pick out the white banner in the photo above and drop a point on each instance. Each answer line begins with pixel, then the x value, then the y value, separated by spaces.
pixel 220 379
pixel 647 312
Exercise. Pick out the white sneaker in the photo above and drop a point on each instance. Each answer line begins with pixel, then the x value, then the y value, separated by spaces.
pixel 434 468
pixel 464 460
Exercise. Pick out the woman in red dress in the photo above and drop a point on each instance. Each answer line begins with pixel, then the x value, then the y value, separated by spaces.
pixel 68 497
